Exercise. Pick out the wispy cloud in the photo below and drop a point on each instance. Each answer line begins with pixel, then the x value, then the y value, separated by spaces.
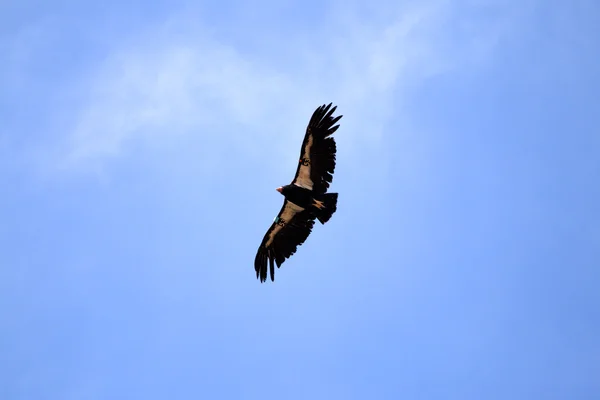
pixel 179 78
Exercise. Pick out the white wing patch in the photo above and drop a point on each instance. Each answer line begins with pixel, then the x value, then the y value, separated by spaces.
pixel 288 213
pixel 303 179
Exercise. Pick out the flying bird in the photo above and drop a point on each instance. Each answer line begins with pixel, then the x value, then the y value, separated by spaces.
pixel 306 197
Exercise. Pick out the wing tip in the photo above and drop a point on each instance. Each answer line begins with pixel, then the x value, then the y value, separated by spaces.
pixel 322 117
pixel 264 264
pixel 260 264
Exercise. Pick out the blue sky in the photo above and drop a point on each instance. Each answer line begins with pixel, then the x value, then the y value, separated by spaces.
pixel 140 147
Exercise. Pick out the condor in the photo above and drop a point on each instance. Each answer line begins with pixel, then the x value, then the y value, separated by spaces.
pixel 306 198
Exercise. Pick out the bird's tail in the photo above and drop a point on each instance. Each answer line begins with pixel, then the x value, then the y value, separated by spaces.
pixel 329 207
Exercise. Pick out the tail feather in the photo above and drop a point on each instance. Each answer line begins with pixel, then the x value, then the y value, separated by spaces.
pixel 330 202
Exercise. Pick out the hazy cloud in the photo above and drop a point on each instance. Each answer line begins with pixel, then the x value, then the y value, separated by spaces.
pixel 171 80
pixel 179 77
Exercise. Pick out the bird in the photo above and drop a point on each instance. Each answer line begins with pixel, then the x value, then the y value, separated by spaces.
pixel 306 197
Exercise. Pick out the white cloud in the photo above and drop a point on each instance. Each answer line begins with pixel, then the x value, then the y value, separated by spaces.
pixel 178 79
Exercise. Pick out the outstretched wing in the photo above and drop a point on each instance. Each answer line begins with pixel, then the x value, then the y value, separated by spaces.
pixel 289 230
pixel 317 156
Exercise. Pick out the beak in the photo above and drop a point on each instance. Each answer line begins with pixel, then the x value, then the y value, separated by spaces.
pixel 279 189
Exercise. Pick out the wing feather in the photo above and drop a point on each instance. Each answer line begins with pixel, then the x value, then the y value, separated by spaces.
pixel 290 229
pixel 318 151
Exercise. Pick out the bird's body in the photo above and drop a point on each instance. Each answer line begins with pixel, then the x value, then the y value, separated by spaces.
pixel 306 198
pixel 319 205
pixel 298 195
